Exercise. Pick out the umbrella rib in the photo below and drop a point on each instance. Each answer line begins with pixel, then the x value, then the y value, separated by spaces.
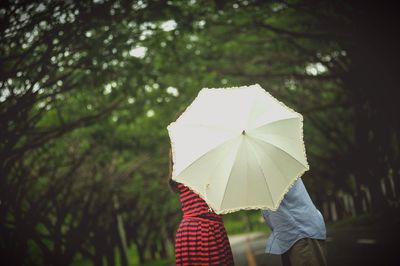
pixel 208 179
pixel 274 121
pixel 272 145
pixel 259 163
pixel 279 169
pixel 219 163
pixel 282 136
pixel 207 126
pixel 230 172
pixel 206 152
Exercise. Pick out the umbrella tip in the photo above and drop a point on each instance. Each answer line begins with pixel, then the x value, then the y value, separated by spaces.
pixel 244 132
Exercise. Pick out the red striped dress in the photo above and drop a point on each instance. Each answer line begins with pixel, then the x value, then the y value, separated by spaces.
pixel 201 238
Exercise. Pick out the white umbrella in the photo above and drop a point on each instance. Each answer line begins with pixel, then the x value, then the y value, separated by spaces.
pixel 238 148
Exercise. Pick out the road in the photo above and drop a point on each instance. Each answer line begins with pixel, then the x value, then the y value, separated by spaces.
pixel 353 246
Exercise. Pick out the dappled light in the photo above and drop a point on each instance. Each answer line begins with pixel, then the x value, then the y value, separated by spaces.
pixel 87 89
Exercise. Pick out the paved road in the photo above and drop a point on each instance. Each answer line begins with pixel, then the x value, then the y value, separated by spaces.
pixel 350 246
pixel 252 245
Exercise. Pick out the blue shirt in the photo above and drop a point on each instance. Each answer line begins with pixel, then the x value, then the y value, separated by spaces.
pixel 296 218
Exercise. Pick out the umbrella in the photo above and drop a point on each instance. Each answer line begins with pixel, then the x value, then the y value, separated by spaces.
pixel 238 148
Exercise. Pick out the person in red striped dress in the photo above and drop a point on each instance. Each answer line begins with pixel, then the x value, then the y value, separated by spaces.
pixel 201 238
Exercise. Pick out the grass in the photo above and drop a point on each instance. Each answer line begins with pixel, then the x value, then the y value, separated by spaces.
pixel 132 257
pixel 247 222
pixel 252 221
pixel 235 223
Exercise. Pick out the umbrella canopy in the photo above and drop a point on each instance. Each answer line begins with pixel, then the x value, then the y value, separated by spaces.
pixel 238 148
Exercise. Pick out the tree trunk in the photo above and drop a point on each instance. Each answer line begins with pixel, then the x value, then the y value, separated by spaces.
pixel 378 201
pixel 110 252
pixel 123 247
pixel 140 250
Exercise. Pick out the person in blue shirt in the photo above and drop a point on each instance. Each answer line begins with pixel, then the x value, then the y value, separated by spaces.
pixel 298 229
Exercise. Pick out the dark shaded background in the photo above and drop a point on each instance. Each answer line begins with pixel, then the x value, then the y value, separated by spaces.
pixel 88 88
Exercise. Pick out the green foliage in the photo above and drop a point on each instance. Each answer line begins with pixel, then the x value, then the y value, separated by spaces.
pixel 88 88
pixel 244 222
